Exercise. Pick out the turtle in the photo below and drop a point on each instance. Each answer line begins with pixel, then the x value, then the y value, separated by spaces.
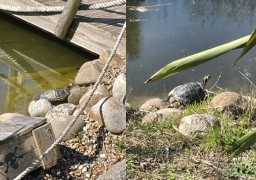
pixel 188 93
pixel 55 94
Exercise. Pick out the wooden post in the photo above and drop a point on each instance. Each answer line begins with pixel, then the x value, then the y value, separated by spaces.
pixel 66 18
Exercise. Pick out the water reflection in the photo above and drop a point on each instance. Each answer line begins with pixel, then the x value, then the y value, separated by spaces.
pixel 234 10
pixel 169 30
pixel 31 62
pixel 24 79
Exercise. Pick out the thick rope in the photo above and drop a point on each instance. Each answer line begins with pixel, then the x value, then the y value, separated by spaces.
pixel 58 9
pixel 38 160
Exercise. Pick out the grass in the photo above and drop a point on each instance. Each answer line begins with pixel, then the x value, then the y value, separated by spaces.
pixel 158 151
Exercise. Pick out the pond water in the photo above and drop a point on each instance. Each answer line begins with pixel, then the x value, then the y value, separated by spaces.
pixel 31 62
pixel 166 30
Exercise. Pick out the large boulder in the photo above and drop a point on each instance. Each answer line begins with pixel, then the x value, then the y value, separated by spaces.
pixel 197 124
pixel 119 87
pixel 116 60
pixel 117 171
pixel 110 112
pixel 229 102
pixel 153 104
pixel 162 114
pixel 61 123
pixel 59 111
pixel 100 93
pixel 76 93
pixel 89 72
pixel 39 108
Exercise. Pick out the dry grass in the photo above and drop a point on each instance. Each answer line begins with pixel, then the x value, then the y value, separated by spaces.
pixel 158 151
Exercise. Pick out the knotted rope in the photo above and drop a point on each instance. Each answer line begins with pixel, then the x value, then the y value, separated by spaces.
pixel 59 9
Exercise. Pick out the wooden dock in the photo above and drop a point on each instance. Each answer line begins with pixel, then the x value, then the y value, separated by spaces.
pixel 92 30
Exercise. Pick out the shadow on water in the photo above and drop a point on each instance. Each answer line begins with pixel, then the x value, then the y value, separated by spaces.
pixel 170 30
pixel 31 62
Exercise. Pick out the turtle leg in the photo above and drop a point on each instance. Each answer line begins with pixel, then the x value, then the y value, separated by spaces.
pixel 178 105
pixel 166 99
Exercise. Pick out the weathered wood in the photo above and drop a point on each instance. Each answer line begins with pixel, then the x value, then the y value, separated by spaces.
pixel 19 147
pixel 92 30
pixel 16 154
pixel 66 18
pixel 13 125
pixel 44 138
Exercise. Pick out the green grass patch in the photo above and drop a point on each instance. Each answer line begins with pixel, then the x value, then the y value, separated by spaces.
pixel 158 151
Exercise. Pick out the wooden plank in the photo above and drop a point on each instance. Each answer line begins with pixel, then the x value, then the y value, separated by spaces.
pixel 13 125
pixel 16 154
pixel 44 138
pixel 85 29
pixel 66 18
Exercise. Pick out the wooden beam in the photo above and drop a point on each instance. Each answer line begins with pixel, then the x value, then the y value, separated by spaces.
pixel 92 30
pixel 44 138
pixel 66 18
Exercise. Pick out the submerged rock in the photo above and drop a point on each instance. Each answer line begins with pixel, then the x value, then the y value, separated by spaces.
pixel 162 114
pixel 197 124
pixel 119 87
pixel 111 113
pixel 89 72
pixel 39 108
pixel 153 104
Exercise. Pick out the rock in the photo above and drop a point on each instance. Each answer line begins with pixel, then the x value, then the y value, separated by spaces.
pixel 100 93
pixel 61 123
pixel 166 113
pixel 197 124
pixel 89 72
pixel 110 112
pixel 76 93
pixel 229 102
pixel 39 108
pixel 5 116
pixel 153 104
pixel 117 171
pixel 60 110
pixel 103 157
pixel 119 87
pixel 116 60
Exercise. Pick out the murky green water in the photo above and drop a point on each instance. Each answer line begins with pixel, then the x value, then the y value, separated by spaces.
pixel 172 29
pixel 31 62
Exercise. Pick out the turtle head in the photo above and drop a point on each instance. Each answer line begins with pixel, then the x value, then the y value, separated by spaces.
pixel 69 86
pixel 205 79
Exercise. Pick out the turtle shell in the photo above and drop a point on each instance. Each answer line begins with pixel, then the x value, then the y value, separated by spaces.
pixel 55 95
pixel 189 92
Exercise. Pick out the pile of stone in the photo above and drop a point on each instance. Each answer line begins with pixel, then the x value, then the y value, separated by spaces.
pixel 100 128
pixel 230 103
